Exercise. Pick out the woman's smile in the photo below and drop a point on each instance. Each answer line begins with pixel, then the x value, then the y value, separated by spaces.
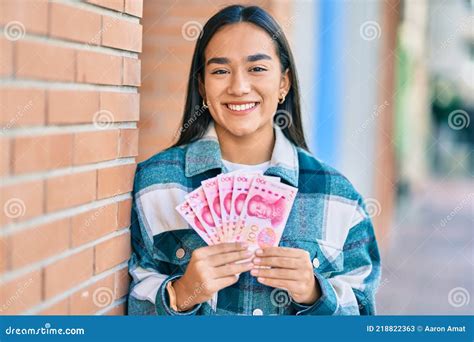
pixel 241 108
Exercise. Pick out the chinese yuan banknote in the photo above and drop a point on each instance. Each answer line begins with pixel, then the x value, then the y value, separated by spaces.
pixel 198 203
pixel 239 206
pixel 265 212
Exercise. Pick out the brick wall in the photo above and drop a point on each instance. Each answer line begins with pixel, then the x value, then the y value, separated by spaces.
pixel 69 106
pixel 169 38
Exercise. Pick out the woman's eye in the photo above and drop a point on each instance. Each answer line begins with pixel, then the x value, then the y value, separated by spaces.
pixel 258 69
pixel 219 72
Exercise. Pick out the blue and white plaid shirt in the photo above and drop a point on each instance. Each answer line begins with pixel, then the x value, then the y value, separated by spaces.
pixel 328 219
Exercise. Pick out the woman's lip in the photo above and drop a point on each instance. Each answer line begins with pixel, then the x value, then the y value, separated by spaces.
pixel 241 112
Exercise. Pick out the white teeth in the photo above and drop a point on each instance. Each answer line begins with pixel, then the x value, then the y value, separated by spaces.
pixel 241 107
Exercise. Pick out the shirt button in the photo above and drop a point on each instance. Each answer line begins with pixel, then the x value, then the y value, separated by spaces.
pixel 180 253
pixel 316 262
pixel 257 312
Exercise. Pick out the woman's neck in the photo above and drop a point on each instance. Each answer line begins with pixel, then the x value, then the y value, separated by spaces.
pixel 252 149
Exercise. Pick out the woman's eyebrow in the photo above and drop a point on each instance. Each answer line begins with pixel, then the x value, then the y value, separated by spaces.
pixel 251 58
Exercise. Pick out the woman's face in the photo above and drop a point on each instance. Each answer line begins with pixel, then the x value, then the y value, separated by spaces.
pixel 243 80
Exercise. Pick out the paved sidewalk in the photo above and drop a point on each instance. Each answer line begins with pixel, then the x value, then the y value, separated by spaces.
pixel 429 266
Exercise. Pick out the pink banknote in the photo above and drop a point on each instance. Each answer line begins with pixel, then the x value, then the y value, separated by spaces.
pixel 198 203
pixel 211 190
pixel 265 212
pixel 188 214
pixel 226 186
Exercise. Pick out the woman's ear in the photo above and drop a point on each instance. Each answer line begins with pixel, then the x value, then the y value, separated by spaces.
pixel 285 82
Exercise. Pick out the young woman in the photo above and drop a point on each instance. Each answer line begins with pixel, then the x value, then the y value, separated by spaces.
pixel 242 77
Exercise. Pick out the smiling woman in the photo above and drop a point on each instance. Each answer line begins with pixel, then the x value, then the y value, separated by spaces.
pixel 327 261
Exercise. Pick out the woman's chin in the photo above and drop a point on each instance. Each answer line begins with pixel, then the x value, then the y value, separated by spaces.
pixel 242 129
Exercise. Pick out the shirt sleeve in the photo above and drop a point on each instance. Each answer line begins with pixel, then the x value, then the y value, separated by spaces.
pixel 148 293
pixel 352 290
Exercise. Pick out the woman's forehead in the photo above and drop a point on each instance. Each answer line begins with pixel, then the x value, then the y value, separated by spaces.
pixel 238 41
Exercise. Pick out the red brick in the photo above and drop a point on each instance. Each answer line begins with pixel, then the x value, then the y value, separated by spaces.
pixel 6 57
pixel 72 23
pixel 41 153
pixel 124 213
pixel 20 294
pixel 44 61
pixel 21 201
pixel 128 142
pixel 70 190
pixel 134 7
pixel 112 252
pixel 116 5
pixel 91 147
pixel 118 310
pixel 4 257
pixel 94 297
pixel 123 106
pixel 122 281
pixel 68 107
pixel 33 15
pixel 22 107
pixel 131 71
pixel 59 308
pixel 93 224
pixel 98 68
pixel 33 245
pixel 115 180
pixel 121 34
pixel 4 156
pixel 68 272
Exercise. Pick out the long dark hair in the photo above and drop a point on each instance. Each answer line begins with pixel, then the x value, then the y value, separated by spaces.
pixel 196 119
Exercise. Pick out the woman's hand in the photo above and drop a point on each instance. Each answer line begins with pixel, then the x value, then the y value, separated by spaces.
pixel 210 269
pixel 291 270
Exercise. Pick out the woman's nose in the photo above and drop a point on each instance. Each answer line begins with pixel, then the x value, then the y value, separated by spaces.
pixel 239 85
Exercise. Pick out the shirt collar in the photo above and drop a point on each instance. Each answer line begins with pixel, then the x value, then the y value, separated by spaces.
pixel 205 154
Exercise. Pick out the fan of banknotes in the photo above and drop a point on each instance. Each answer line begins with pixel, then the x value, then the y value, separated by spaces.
pixel 239 207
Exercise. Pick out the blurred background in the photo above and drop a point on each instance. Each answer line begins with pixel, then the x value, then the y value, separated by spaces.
pixel 90 88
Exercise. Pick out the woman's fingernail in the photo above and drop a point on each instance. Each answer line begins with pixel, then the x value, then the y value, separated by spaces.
pixel 259 252
pixel 257 260
pixel 254 272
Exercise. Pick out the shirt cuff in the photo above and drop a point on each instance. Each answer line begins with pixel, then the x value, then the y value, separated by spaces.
pixel 324 305
pixel 162 300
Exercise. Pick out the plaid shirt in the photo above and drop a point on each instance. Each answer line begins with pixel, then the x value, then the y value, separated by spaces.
pixel 328 219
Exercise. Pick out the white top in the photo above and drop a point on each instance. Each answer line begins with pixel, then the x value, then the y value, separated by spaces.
pixel 245 167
